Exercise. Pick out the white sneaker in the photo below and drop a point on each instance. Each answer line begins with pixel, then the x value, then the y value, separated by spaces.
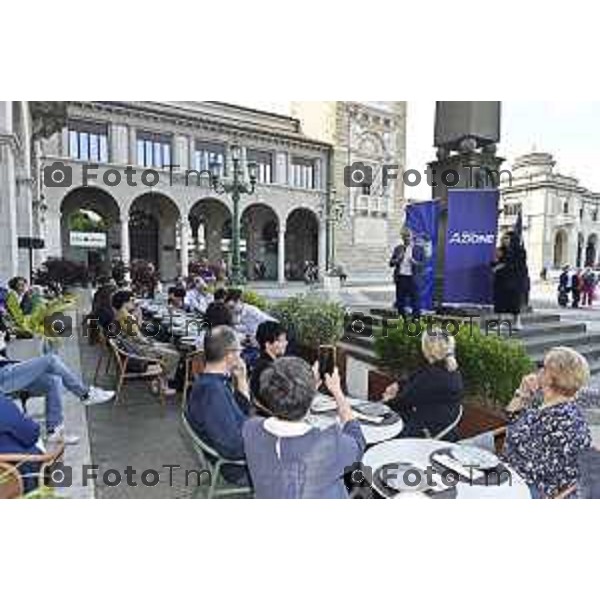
pixel 97 396
pixel 59 435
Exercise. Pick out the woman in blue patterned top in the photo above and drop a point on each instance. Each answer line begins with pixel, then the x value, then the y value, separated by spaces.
pixel 548 430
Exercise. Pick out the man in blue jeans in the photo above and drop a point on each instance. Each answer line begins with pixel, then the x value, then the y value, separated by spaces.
pixel 47 376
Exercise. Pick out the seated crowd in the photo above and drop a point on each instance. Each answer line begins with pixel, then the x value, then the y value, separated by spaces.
pixel 262 419
pixel 251 401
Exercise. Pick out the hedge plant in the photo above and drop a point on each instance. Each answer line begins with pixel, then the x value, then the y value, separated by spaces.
pixel 492 367
pixel 312 320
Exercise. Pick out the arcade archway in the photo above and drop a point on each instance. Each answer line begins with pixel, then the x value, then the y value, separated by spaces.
pixel 301 242
pixel 560 255
pixel 208 218
pixel 591 250
pixel 153 221
pixel 260 227
pixel 90 228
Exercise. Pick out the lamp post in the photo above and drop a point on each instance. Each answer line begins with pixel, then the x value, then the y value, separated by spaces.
pixel 236 186
pixel 333 211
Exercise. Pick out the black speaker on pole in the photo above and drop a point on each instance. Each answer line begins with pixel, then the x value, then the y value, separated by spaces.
pixel 31 244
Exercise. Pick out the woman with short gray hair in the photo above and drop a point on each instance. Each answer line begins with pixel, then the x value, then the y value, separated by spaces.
pixel 286 456
pixel 548 432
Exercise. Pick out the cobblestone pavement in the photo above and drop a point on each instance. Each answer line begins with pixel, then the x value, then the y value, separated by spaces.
pixel 136 433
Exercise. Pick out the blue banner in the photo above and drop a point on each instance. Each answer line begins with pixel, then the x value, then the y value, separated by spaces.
pixel 470 246
pixel 422 220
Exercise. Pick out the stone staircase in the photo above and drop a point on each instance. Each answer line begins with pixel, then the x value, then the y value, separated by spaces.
pixel 540 333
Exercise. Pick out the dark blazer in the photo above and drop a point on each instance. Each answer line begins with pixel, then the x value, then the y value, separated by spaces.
pixel 429 400
pixel 214 413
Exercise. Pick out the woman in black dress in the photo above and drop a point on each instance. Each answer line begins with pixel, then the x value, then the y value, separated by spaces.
pixel 429 403
pixel 511 280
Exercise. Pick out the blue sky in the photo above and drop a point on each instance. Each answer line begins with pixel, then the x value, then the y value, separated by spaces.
pixel 568 130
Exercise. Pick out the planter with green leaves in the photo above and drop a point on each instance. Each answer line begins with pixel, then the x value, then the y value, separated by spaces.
pixel 492 367
pixel 311 322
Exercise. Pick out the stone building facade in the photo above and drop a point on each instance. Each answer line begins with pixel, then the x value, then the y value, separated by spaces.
pixel 133 143
pixel 17 186
pixel 561 218
pixel 374 134
pixel 105 161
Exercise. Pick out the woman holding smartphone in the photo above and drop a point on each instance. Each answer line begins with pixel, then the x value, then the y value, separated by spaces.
pixel 286 456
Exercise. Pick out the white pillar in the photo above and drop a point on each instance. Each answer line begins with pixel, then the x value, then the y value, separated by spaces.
pixel 322 247
pixel 191 152
pixel 9 258
pixel 132 146
pixel 64 143
pixel 281 256
pixel 184 243
pixel 125 253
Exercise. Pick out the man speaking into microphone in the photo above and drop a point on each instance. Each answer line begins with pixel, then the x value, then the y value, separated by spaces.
pixel 407 260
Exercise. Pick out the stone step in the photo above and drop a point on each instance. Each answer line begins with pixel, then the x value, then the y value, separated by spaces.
pixel 591 353
pixel 537 330
pixel 379 312
pixel 543 344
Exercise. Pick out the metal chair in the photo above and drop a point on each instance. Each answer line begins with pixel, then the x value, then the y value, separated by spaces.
pixel 194 365
pixel 204 453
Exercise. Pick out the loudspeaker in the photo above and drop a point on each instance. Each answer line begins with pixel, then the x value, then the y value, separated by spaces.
pixel 30 243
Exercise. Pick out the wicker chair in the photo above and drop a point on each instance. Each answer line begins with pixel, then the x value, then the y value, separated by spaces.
pixel 15 460
pixel 11 484
pixel 154 369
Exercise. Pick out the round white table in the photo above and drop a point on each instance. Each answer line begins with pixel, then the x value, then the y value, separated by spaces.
pixel 417 452
pixel 374 434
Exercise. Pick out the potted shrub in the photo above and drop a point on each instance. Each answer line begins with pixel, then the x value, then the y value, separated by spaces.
pixel 310 322
pixel 58 274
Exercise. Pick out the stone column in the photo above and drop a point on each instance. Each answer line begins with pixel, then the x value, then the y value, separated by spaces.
pixel 64 143
pixel 191 152
pixel 9 262
pixel 181 153
pixel 184 239
pixel 119 144
pixel 281 256
pixel 132 146
pixel 281 168
pixel 322 247
pixel 125 254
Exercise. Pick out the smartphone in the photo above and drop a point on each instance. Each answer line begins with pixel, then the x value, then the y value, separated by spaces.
pixel 327 360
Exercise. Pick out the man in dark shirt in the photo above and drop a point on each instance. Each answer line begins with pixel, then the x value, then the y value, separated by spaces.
pixel 272 341
pixel 213 409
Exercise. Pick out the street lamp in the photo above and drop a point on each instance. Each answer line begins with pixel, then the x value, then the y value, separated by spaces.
pixel 332 211
pixel 236 186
